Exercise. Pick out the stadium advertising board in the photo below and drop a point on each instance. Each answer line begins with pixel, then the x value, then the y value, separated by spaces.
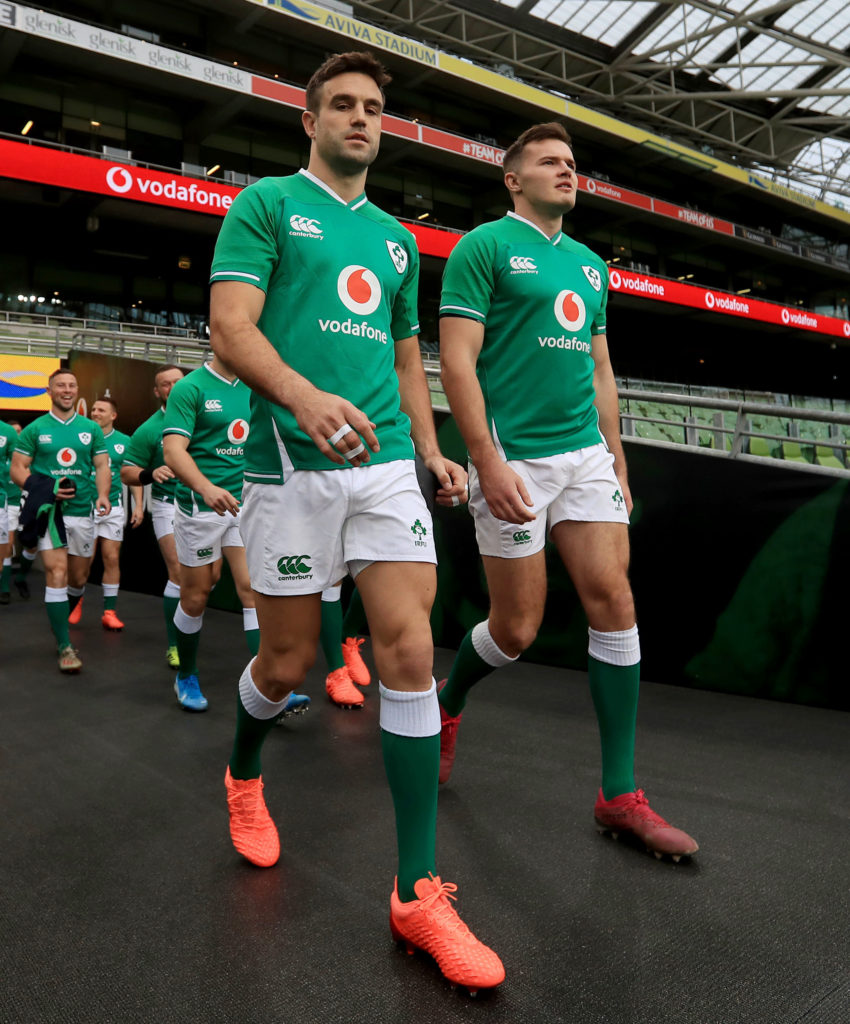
pixel 105 177
pixel 709 300
pixel 23 382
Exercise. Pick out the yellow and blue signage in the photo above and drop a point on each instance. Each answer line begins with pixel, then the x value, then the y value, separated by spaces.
pixel 23 382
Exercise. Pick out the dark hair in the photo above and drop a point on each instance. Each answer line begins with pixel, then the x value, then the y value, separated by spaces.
pixel 536 133
pixel 361 61
pixel 59 373
pixel 164 369
pixel 106 398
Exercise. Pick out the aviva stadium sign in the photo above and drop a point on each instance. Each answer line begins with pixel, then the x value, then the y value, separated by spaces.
pixel 369 35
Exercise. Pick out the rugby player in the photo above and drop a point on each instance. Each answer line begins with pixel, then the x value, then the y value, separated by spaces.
pixel 69 449
pixel 527 373
pixel 313 304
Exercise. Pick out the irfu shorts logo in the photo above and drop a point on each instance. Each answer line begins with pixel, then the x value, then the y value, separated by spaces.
pixel 618 500
pixel 522 537
pixel 294 565
pixel 419 531
pixel 204 552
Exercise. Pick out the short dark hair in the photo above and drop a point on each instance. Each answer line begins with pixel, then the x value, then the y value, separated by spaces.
pixel 536 133
pixel 361 61
pixel 106 398
pixel 164 369
pixel 59 373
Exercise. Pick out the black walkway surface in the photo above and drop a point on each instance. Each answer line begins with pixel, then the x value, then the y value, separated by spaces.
pixel 122 899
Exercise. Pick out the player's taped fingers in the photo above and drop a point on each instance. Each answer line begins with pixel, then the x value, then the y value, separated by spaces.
pixel 339 434
pixel 354 452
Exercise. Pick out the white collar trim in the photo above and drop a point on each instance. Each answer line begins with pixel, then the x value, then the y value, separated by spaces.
pixel 554 240
pixel 323 185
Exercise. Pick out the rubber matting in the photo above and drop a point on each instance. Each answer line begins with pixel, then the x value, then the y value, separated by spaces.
pixel 123 900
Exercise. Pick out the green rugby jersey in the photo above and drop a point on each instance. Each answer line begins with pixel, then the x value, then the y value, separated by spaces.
pixel 541 300
pixel 341 282
pixel 116 446
pixel 8 440
pixel 65 448
pixel 145 452
pixel 213 413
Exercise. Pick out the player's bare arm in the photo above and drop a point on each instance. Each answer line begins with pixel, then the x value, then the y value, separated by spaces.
pixel 130 475
pixel 235 308
pixel 608 406
pixel 103 483
pixel 416 403
pixel 174 450
pixel 137 495
pixel 504 490
pixel 20 468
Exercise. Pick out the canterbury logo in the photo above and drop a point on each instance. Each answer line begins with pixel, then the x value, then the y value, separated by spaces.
pixel 523 263
pixel 293 565
pixel 305 225
pixel 522 537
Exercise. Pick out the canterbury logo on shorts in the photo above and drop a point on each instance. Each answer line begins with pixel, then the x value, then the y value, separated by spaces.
pixel 294 565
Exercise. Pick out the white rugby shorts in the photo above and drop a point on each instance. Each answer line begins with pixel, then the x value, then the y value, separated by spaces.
pixel 4 522
pixel 110 527
pixel 199 538
pixel 14 513
pixel 578 486
pixel 304 535
pixel 162 514
pixel 80 534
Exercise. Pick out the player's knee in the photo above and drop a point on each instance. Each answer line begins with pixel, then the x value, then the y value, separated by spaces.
pixel 277 672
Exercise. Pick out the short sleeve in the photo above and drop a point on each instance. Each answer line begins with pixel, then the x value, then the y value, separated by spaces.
pixel 247 246
pixel 181 410
pixel 405 314
pixel 599 324
pixel 27 440
pixel 139 450
pixel 468 282
pixel 98 441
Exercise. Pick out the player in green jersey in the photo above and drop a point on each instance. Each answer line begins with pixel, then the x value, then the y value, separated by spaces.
pixel 13 508
pixel 8 440
pixel 109 530
pixel 528 377
pixel 313 304
pixel 143 465
pixel 203 436
pixel 66 447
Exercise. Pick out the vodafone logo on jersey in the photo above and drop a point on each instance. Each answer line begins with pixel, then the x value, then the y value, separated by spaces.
pixel 570 310
pixel 66 456
pixel 237 432
pixel 359 290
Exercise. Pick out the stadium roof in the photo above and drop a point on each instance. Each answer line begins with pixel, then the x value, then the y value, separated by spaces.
pixel 765 84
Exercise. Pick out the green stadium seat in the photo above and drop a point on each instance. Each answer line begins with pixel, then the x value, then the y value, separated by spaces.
pixel 792 451
pixel 761 446
pixel 827 457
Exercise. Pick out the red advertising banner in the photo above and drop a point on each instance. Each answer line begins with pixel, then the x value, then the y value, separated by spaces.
pixel 605 190
pixel 709 300
pixel 105 177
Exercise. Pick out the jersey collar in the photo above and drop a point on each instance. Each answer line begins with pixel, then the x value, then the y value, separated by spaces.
pixel 524 220
pixel 353 205
pixel 218 376
pixel 64 423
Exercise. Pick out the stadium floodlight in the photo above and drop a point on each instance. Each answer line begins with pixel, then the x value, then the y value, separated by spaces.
pixel 26 127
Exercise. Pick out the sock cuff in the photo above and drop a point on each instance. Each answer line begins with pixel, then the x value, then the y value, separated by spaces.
pixel 77 591
pixel 410 713
pixel 334 593
pixel 617 648
pixel 53 595
pixel 7 561
pixel 187 623
pixel 253 701
pixel 486 647
pixel 171 589
pixel 29 555
pixel 110 589
pixel 249 619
